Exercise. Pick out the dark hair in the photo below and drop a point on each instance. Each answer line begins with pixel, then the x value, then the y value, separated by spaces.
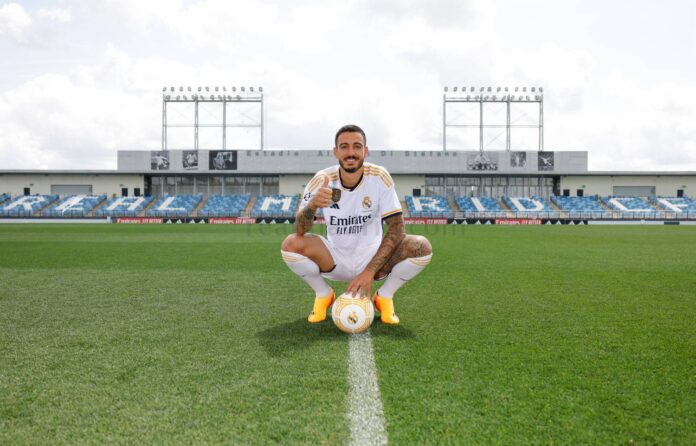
pixel 350 128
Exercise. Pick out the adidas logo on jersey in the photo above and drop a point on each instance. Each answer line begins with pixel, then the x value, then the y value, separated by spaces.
pixel 334 206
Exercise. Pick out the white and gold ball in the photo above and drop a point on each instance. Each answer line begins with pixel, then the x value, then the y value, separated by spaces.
pixel 352 314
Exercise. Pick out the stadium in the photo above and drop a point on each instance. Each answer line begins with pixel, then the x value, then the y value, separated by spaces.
pixel 264 185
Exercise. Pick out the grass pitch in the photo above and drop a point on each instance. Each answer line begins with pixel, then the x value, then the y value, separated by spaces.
pixel 185 334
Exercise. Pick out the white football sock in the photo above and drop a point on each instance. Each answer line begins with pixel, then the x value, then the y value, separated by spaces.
pixel 308 271
pixel 402 273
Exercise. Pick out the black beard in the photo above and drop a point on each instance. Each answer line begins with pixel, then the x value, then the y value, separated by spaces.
pixel 351 169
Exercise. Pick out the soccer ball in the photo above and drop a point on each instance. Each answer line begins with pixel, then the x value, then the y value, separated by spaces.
pixel 352 314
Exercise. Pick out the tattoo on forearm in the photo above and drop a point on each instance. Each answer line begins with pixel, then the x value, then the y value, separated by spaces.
pixel 304 220
pixel 395 234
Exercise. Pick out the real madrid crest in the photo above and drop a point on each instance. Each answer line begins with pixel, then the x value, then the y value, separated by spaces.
pixel 366 203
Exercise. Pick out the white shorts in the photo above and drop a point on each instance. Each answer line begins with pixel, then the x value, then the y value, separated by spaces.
pixel 349 263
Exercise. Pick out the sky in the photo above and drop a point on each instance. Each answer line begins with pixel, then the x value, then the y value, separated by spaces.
pixel 80 80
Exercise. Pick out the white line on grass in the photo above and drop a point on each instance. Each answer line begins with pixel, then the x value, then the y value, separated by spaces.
pixel 365 411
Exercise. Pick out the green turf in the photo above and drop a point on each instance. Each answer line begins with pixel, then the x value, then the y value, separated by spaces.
pixel 183 334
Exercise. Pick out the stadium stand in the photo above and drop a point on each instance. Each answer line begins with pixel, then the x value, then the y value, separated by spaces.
pixel 578 204
pixel 525 204
pixel 428 206
pixel 628 204
pixel 674 204
pixel 74 206
pixel 283 206
pixel 224 206
pixel 477 204
pixel 124 206
pixel 4 198
pixel 174 206
pixel 26 205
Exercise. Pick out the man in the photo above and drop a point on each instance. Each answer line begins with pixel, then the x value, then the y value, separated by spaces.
pixel 355 198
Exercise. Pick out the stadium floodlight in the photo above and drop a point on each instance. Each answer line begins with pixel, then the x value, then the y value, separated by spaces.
pixel 498 90
pixel 251 89
pixel 517 89
pixel 463 89
pixel 164 89
pixel 533 89
pixel 506 89
pixel 224 89
pixel 489 89
pixel 541 90
pixel 260 89
pixel 199 88
pixel 445 89
pixel 188 88
pixel 217 88
pixel 524 89
pixel 234 88
pixel 242 88
pixel 207 89
pixel 454 89
pixel 471 90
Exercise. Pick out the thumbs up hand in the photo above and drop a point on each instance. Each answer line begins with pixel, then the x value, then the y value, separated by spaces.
pixel 322 197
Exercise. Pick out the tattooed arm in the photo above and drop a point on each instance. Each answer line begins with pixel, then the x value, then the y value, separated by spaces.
pixel 305 217
pixel 362 283
pixel 394 236
pixel 304 220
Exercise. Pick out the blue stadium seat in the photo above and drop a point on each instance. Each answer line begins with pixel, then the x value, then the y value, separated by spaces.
pixel 224 206
pixel 628 204
pixel 478 204
pixel 283 206
pixel 75 206
pixel 174 206
pixel 4 198
pixel 675 204
pixel 525 204
pixel 428 206
pixel 124 206
pixel 578 204
pixel 26 205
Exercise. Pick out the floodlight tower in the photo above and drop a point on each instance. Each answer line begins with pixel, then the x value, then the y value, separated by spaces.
pixel 235 96
pixel 483 95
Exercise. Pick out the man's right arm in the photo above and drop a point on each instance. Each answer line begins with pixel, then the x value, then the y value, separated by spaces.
pixel 305 217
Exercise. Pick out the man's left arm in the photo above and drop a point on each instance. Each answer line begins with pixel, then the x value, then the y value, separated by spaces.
pixel 362 283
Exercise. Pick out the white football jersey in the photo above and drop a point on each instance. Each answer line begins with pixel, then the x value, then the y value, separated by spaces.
pixel 355 222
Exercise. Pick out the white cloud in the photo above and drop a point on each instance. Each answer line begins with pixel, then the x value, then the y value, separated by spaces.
pixel 14 22
pixel 54 14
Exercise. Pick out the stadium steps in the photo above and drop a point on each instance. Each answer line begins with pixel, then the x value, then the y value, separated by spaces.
pixel 250 205
pixel 99 205
pixel 198 208
pixel 148 207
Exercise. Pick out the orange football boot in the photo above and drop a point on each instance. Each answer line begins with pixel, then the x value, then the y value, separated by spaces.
pixel 386 309
pixel 318 313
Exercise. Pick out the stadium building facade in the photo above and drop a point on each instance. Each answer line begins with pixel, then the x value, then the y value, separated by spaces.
pixel 416 173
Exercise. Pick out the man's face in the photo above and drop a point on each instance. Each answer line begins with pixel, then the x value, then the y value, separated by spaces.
pixel 350 151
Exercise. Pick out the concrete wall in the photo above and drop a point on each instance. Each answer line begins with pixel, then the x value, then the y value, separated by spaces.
pixel 665 186
pixel 395 161
pixel 14 184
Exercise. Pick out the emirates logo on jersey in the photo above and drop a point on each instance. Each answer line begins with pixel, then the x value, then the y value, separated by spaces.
pixel 367 203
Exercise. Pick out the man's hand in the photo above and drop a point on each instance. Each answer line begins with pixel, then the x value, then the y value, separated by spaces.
pixel 361 284
pixel 322 199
